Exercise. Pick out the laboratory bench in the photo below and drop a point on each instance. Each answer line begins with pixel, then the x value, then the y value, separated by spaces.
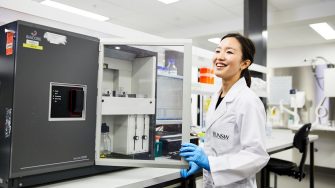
pixel 133 177
pixel 280 140
pixel 315 128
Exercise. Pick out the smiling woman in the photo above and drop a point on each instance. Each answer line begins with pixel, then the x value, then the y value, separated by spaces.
pixel 232 58
pixel 234 149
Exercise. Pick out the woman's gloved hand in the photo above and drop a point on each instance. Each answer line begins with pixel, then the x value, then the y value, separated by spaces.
pixel 193 153
pixel 184 173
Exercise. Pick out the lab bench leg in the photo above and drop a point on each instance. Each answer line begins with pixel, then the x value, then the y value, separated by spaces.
pixel 265 178
pixel 311 165
pixel 189 182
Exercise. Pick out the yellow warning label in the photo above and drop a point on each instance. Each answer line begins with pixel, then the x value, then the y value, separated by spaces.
pixel 32 46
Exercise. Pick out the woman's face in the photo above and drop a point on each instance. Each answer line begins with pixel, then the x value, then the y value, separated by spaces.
pixel 227 60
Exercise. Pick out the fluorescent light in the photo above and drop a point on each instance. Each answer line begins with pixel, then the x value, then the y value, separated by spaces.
pixel 215 40
pixel 74 10
pixel 168 1
pixel 265 34
pixel 324 30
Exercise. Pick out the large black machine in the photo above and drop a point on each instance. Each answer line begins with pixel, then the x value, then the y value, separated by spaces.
pixel 70 102
pixel 48 92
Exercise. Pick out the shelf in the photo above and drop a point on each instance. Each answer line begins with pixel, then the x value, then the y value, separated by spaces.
pixel 125 106
pixel 208 89
pixel 170 76
pixel 203 89
pixel 168 122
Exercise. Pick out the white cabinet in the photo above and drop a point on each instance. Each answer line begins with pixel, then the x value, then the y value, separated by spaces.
pixel 133 100
pixel 131 133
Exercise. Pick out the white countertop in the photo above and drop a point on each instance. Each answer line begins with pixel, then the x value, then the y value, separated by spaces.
pixel 316 127
pixel 282 138
pixel 143 177
pixel 136 177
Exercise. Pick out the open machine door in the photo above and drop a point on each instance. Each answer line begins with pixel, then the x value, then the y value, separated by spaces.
pixel 143 105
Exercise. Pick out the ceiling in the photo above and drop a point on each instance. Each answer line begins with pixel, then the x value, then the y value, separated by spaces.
pixel 202 19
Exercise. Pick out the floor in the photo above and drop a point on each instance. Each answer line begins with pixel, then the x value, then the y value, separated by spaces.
pixel 322 179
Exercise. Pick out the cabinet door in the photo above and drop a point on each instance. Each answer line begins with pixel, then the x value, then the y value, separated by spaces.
pixel 143 106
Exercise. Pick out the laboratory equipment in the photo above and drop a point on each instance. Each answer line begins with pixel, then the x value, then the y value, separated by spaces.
pixel 329 93
pixel 322 110
pixel 279 88
pixel 134 67
pixel 297 100
pixel 130 70
pixel 274 117
pixel 171 145
pixel 279 95
pixel 131 134
pixel 48 83
pixel 58 87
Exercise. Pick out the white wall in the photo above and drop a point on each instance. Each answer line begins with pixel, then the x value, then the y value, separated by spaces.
pixel 294 56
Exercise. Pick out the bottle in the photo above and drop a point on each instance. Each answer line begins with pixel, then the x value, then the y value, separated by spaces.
pixel 158 146
pixel 172 69
pixel 106 141
pixel 206 75
pixel 161 70
pixel 201 136
pixel 290 121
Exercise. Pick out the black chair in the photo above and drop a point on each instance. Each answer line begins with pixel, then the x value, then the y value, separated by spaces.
pixel 288 168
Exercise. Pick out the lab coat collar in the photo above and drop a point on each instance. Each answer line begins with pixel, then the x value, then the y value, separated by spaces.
pixel 234 91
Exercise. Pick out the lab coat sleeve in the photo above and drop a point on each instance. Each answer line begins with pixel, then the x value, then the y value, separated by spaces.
pixel 252 157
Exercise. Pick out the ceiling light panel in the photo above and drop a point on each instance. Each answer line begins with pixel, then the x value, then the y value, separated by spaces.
pixel 214 40
pixel 74 10
pixel 168 1
pixel 324 30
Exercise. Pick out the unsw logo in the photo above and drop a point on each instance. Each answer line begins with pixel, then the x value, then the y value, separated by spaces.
pixel 33 36
pixel 220 136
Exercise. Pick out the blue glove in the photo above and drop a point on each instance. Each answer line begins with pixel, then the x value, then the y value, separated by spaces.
pixel 191 170
pixel 193 153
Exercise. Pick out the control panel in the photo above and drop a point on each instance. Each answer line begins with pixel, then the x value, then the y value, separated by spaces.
pixel 67 102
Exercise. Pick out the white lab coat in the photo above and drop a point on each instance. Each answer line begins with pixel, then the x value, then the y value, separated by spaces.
pixel 235 135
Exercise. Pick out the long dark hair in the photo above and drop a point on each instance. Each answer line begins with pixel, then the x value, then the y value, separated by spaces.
pixel 248 52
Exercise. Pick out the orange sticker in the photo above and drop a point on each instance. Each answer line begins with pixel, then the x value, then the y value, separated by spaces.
pixel 9 43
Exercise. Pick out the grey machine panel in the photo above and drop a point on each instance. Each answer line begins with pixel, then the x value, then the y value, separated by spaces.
pixel 6 102
pixel 39 145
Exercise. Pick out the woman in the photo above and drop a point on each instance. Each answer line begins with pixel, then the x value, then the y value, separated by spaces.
pixel 234 149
